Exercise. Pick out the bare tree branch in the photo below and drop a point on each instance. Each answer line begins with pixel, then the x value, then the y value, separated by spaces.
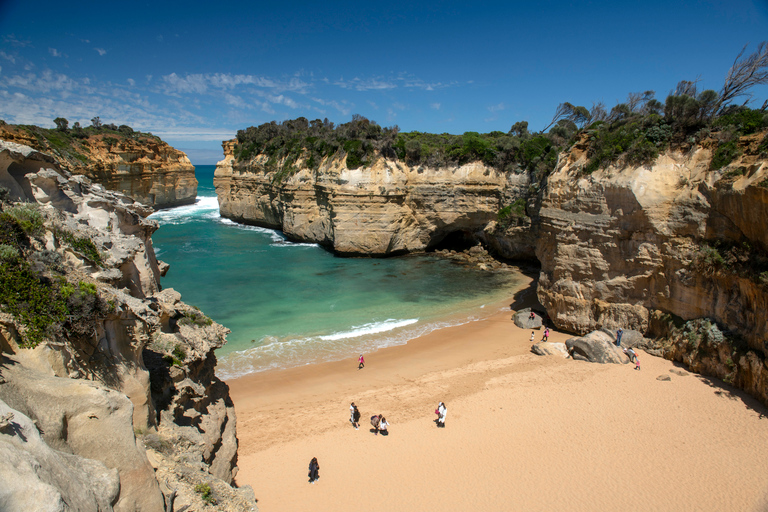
pixel 745 74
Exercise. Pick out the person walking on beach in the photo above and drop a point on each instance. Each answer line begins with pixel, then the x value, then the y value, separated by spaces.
pixel 533 336
pixel 618 336
pixel 546 334
pixel 441 411
pixel 354 415
pixel 383 424
pixel 375 423
pixel 360 362
pixel 314 470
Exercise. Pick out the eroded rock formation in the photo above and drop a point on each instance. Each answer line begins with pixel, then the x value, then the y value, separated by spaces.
pixel 124 393
pixel 385 209
pixel 143 167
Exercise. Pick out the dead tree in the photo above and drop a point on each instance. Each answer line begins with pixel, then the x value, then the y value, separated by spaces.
pixel 744 74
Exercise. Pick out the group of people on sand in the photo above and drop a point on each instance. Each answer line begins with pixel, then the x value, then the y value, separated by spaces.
pixel 378 421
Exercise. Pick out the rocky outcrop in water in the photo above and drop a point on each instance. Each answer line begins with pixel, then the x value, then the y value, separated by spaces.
pixel 139 165
pixel 386 208
pixel 117 406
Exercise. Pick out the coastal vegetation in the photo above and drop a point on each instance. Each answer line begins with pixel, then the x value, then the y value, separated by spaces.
pixel 32 283
pixel 633 132
pixel 74 143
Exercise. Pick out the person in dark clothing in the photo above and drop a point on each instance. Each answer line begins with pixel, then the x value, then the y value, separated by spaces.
pixel 618 336
pixel 354 415
pixel 314 470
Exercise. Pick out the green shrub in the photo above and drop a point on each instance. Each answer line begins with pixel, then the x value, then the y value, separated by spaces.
pixel 195 318
pixel 82 245
pixel 28 216
pixel 724 155
pixel 205 492
pixel 743 119
pixel 8 252
pixel 179 352
pixel 33 299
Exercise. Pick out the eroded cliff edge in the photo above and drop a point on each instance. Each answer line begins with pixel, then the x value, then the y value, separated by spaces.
pixel 139 165
pixel 108 397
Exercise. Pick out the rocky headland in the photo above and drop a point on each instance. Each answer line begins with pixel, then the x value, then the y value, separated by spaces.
pixel 108 397
pixel 670 243
pixel 139 165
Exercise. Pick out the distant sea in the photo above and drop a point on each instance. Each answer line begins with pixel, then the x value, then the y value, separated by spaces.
pixel 291 304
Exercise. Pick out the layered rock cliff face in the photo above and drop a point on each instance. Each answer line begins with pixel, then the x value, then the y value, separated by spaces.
pixel 141 166
pixel 650 247
pixel 384 209
pixel 118 407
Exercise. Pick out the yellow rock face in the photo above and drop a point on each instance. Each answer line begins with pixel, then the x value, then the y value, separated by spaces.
pixel 618 244
pixel 386 208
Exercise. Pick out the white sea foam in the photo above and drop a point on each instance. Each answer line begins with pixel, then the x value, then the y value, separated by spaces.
pixel 371 328
pixel 274 354
pixel 204 205
pixel 276 236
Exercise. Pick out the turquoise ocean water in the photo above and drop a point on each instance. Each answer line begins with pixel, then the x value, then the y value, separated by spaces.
pixel 291 304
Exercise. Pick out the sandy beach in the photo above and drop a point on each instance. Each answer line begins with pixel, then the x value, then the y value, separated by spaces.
pixel 523 432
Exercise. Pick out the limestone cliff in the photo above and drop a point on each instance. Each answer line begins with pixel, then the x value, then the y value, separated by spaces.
pixel 139 165
pixel 385 208
pixel 647 247
pixel 107 387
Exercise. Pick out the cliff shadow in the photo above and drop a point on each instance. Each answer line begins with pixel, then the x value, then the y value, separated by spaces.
pixel 729 392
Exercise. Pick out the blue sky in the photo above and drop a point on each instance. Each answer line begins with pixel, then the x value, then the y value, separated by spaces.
pixel 196 72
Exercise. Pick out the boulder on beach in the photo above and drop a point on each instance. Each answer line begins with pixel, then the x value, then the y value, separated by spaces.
pixel 596 347
pixel 629 338
pixel 523 319
pixel 548 348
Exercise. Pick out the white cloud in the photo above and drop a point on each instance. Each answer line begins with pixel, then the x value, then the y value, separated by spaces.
pixel 54 52
pixel 365 85
pixel 497 108
pixel 435 106
pixel 195 134
pixel 236 101
pixel 200 83
pixel 44 83
pixel 7 57
pixel 101 51
pixel 14 41
pixel 131 82
pixel 344 107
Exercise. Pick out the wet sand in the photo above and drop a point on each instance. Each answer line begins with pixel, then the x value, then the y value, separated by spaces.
pixel 523 432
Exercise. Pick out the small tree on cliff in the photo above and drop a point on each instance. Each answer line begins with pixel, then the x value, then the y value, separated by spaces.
pixel 61 124
pixel 96 122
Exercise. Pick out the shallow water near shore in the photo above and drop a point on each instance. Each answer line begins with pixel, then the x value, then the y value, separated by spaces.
pixel 291 304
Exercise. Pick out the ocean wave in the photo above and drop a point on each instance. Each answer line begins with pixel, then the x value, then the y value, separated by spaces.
pixel 371 328
pixel 288 243
pixel 276 235
pixel 278 354
pixel 203 205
